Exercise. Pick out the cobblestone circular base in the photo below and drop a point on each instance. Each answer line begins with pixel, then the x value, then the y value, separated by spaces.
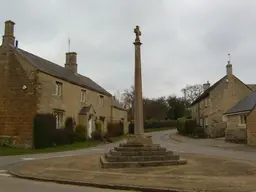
pixel 202 173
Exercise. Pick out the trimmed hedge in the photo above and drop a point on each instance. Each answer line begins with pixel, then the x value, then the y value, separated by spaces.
pixel 148 124
pixel 189 127
pixel 44 126
pixel 115 129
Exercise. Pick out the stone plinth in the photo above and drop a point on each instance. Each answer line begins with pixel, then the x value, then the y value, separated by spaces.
pixel 139 151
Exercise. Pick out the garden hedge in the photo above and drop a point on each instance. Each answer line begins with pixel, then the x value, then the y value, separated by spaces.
pixel 189 127
pixel 148 124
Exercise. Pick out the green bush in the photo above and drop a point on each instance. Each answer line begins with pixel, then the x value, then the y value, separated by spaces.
pixel 186 126
pixel 96 135
pixel 115 129
pixel 199 132
pixel 70 123
pixel 181 125
pixel 99 126
pixel 190 126
pixel 148 124
pixel 44 127
pixel 6 141
pixel 80 133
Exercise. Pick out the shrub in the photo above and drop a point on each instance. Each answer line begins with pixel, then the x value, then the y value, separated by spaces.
pixel 62 136
pixel 148 124
pixel 96 135
pixel 44 126
pixel 99 126
pixel 6 141
pixel 181 125
pixel 70 123
pixel 80 133
pixel 190 126
pixel 186 126
pixel 199 132
pixel 115 129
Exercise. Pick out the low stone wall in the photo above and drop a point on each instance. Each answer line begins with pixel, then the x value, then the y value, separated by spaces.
pixel 236 135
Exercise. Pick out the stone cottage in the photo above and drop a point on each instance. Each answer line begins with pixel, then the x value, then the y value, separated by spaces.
pixel 32 85
pixel 209 107
pixel 241 120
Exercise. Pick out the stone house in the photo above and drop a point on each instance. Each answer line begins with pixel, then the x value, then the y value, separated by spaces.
pixel 241 120
pixel 209 107
pixel 31 85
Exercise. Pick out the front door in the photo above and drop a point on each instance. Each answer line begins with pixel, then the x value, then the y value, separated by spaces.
pixel 90 128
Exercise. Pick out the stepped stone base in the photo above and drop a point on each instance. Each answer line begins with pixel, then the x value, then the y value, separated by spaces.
pixel 139 151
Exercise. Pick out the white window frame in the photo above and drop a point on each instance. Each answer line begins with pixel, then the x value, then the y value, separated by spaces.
pixel 242 119
pixel 101 101
pixel 83 95
pixel 59 118
pixel 58 90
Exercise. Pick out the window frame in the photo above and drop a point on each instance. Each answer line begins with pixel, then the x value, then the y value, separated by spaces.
pixel 58 88
pixel 83 95
pixel 101 101
pixel 242 119
pixel 59 115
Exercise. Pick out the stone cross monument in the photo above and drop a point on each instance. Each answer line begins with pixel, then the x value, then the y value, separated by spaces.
pixel 139 151
pixel 138 102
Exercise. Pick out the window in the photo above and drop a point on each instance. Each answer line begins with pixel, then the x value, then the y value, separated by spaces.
pixel 206 121
pixel 201 121
pixel 83 95
pixel 242 119
pixel 59 118
pixel 206 102
pixel 101 102
pixel 58 88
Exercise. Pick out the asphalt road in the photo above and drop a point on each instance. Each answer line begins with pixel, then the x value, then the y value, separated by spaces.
pixel 10 184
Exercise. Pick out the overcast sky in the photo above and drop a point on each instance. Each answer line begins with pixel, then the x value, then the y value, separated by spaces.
pixel 184 41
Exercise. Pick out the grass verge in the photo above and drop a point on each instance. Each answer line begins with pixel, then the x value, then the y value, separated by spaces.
pixel 7 151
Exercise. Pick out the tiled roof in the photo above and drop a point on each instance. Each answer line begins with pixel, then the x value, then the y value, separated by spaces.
pixel 61 72
pixel 252 86
pixel 115 103
pixel 207 91
pixel 245 104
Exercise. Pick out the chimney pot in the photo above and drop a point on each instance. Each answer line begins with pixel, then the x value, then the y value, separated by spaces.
pixel 71 61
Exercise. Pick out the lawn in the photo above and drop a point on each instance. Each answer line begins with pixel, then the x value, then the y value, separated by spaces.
pixel 6 151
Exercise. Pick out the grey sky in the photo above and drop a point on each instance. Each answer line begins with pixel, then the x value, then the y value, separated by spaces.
pixel 184 41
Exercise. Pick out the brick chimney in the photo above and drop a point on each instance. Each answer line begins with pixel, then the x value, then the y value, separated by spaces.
pixel 8 37
pixel 71 63
pixel 206 85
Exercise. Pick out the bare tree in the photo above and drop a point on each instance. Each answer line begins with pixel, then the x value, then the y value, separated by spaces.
pixel 191 92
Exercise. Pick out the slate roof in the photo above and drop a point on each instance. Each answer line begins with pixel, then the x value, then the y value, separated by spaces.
pixel 60 72
pixel 245 104
pixel 116 104
pixel 207 91
pixel 86 109
pixel 252 86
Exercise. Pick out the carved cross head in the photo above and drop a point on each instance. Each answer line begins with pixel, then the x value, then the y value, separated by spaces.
pixel 137 32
